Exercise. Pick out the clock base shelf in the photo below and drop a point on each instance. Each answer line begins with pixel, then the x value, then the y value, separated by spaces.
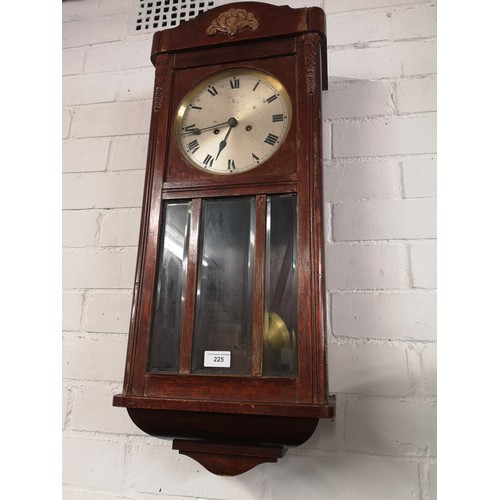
pixel 227 459
pixel 224 427
pixel 227 443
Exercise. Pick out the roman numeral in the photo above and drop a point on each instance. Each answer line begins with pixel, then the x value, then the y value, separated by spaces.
pixel 193 146
pixel 271 139
pixel 272 98
pixel 256 85
pixel 278 118
pixel 208 161
pixel 230 165
pixel 235 83
pixel 189 128
pixel 212 91
pixel 195 107
pixel 255 157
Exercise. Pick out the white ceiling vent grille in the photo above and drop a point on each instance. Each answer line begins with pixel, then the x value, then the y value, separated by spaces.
pixel 153 15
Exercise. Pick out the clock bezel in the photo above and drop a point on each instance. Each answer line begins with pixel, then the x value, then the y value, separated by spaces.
pixel 218 76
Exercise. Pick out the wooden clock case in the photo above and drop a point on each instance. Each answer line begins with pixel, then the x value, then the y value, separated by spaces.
pixel 230 424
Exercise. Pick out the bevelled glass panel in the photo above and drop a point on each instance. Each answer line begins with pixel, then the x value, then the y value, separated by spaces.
pixel 280 318
pixel 170 280
pixel 223 322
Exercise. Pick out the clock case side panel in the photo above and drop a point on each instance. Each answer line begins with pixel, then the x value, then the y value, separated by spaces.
pixel 310 206
pixel 143 293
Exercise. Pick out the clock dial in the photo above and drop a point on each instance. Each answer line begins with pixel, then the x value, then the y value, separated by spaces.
pixel 233 121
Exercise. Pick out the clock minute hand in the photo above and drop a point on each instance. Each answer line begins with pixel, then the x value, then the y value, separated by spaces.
pixel 198 131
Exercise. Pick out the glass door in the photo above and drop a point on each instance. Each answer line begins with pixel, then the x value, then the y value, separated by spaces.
pixel 225 304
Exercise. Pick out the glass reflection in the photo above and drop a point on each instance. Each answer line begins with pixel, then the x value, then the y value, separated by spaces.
pixel 171 276
pixel 223 321
pixel 280 319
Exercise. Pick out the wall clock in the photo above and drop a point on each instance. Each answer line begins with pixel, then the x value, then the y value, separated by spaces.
pixel 227 348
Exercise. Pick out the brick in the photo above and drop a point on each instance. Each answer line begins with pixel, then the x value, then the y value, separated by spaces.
pixel 66 394
pixel 368 369
pixel 77 11
pixel 94 359
pixel 327 140
pixel 119 56
pixel 432 482
pixel 417 95
pixel 79 228
pixel 429 368
pixel 108 29
pixel 93 463
pixel 129 153
pixel 120 228
pixel 109 190
pixel 66 123
pixel 136 85
pixel 76 494
pixel 89 89
pixel 85 155
pixel 385 316
pixel 113 7
pixel 365 266
pixel 358 98
pixel 420 178
pixel 97 269
pixel 123 118
pixel 351 181
pixel 424 265
pixel 382 137
pixel 334 6
pixel 393 60
pixel 391 427
pixel 108 312
pixel 158 468
pixel 72 303
pixel 93 410
pixel 417 22
pixel 342 476
pixel 385 219
pixel 357 27
pixel 72 60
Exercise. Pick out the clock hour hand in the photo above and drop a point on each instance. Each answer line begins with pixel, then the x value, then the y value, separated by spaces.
pixel 232 122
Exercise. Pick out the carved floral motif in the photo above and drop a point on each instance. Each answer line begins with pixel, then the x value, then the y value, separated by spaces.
pixel 232 21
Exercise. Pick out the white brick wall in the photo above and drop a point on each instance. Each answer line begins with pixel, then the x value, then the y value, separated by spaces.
pixel 379 125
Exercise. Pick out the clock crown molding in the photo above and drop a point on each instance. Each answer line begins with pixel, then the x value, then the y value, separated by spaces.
pixel 233 21
pixel 242 22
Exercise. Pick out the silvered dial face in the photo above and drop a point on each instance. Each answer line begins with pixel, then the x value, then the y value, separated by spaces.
pixel 233 121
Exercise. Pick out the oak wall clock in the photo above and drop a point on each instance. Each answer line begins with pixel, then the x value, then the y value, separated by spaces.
pixel 227 348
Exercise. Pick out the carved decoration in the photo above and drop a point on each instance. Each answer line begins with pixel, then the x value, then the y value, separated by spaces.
pixel 161 73
pixel 311 52
pixel 232 21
